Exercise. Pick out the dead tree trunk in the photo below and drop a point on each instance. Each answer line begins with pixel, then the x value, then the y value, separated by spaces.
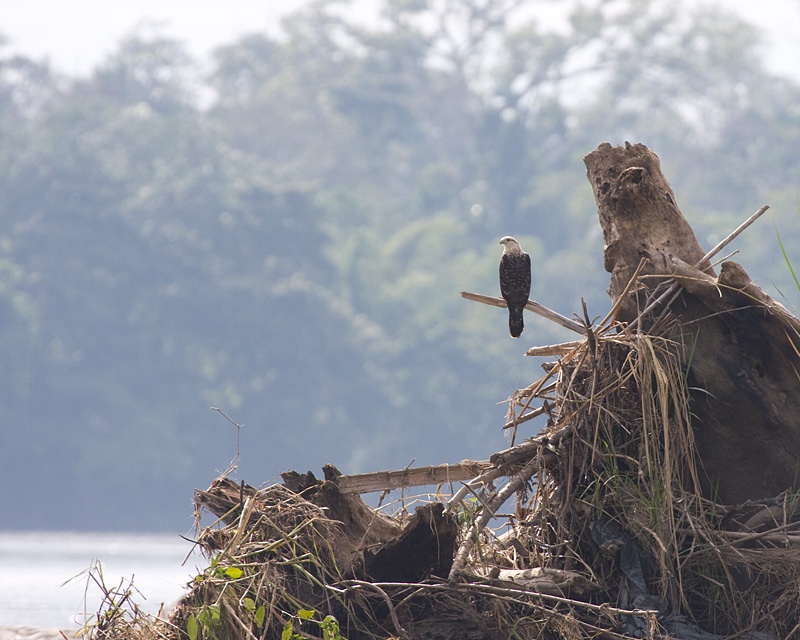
pixel 742 349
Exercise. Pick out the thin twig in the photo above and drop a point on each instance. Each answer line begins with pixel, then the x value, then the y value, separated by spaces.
pixel 613 312
pixel 235 424
pixel 392 614
pixel 598 608
pixel 512 591
pixel 730 255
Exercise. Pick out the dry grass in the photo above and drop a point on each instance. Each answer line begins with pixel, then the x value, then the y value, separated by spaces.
pixel 626 463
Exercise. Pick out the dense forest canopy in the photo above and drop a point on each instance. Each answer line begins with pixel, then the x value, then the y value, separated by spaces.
pixel 282 233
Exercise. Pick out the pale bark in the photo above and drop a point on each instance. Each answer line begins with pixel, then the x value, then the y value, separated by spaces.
pixel 742 349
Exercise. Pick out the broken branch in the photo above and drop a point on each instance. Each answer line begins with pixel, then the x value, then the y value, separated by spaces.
pixel 532 305
pixel 515 483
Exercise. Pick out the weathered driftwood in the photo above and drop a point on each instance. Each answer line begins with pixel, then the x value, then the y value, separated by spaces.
pixel 465 470
pixel 556 582
pixel 553 349
pixel 369 527
pixel 370 541
pixel 742 349
pixel 490 507
pixel 639 217
pixel 411 477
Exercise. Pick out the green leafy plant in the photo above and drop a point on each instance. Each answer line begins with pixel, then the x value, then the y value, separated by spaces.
pixel 329 626
pixel 208 620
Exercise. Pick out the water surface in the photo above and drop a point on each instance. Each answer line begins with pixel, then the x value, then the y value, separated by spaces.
pixel 34 566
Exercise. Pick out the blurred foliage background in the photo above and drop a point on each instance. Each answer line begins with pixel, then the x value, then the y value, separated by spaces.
pixel 282 232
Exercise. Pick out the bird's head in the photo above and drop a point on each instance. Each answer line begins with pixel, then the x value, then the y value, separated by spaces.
pixel 510 245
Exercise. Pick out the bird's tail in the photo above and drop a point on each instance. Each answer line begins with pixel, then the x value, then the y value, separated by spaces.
pixel 515 324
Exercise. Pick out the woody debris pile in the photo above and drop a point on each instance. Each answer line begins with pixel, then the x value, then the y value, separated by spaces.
pixel 660 500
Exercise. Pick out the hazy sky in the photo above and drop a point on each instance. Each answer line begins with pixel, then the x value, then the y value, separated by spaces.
pixel 76 35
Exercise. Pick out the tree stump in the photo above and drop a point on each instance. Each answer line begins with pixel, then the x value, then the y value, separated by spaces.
pixel 741 348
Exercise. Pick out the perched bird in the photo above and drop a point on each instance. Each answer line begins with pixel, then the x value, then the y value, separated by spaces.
pixel 515 282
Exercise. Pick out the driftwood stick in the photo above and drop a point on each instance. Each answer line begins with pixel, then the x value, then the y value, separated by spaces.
pixel 535 413
pixel 523 452
pixel 778 539
pixel 526 452
pixel 501 461
pixel 553 349
pixel 518 453
pixel 413 477
pixel 782 539
pixel 557 582
pixel 487 513
pixel 532 305
pixel 469 487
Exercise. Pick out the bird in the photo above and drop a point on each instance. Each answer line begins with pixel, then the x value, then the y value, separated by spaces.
pixel 515 282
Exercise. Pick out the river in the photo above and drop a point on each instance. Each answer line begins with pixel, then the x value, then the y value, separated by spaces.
pixel 35 565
